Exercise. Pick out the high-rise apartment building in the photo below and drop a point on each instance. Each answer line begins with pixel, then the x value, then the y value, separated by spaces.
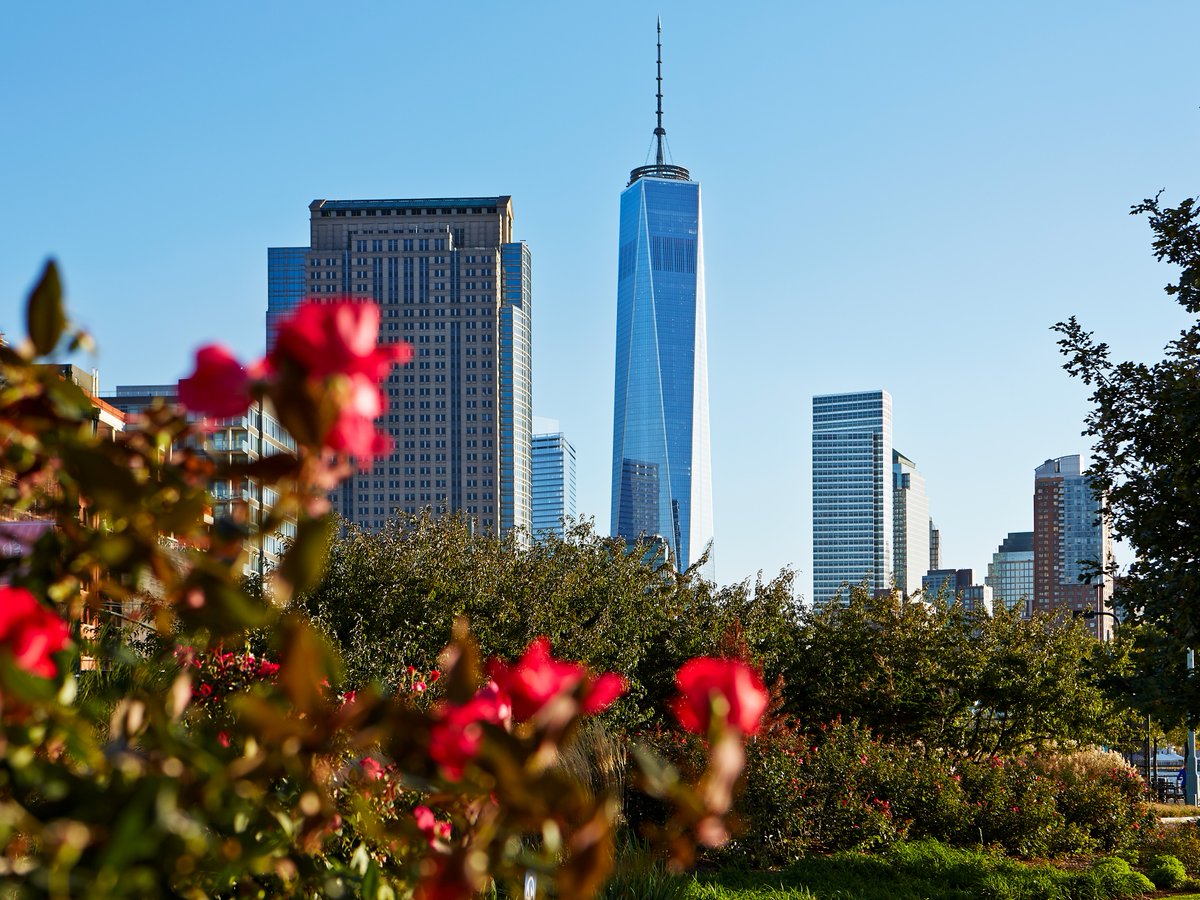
pixel 450 279
pixel 661 463
pixel 1010 573
pixel 910 524
pixel 253 435
pixel 1070 540
pixel 852 492
pixel 553 483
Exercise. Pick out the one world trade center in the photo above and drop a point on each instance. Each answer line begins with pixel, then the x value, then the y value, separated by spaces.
pixel 661 468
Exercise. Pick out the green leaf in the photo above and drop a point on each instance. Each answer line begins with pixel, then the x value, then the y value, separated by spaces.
pixel 44 315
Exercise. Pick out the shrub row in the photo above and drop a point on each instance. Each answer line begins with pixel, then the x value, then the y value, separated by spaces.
pixel 842 789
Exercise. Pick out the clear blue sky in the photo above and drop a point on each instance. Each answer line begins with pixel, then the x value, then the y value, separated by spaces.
pixel 895 195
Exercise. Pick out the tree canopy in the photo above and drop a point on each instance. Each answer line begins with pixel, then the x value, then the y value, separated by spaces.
pixel 1145 465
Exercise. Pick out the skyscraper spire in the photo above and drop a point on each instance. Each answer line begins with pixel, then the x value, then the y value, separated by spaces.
pixel 659 132
pixel 660 168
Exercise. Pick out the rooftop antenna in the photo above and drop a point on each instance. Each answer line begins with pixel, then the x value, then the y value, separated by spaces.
pixel 660 168
pixel 659 132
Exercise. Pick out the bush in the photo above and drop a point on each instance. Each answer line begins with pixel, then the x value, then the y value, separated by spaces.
pixel 1115 878
pixel 1167 872
pixel 1102 798
pixel 1181 840
pixel 1013 806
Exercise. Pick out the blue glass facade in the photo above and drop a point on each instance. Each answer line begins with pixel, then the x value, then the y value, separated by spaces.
pixel 516 387
pixel 286 279
pixel 852 493
pixel 661 466
pixel 553 483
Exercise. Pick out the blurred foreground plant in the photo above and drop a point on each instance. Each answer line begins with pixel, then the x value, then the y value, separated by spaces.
pixel 212 752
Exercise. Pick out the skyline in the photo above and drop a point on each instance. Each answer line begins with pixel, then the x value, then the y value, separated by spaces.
pixel 903 200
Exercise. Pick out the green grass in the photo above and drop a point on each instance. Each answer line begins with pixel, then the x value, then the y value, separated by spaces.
pixel 923 870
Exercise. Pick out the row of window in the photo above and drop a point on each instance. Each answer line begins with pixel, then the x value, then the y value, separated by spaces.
pixel 411 211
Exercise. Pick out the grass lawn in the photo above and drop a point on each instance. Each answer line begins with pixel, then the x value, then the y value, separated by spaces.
pixel 919 871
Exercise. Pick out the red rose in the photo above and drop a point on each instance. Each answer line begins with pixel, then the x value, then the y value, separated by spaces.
pixel 220 386
pixel 335 345
pixel 456 736
pixel 337 339
pixel 704 679
pixel 538 678
pixel 29 631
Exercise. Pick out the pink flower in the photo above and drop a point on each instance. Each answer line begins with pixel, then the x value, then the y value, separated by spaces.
pixel 220 386
pixel 338 339
pixel 604 690
pixel 419 687
pixel 705 678
pixel 429 826
pixel 458 733
pixel 538 678
pixel 371 768
pixel 29 631
pixel 333 346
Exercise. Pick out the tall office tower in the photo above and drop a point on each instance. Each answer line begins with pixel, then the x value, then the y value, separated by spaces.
pixel 935 547
pixel 661 464
pixel 1069 537
pixel 287 285
pixel 553 483
pixel 910 524
pixel 449 279
pixel 1010 573
pixel 852 492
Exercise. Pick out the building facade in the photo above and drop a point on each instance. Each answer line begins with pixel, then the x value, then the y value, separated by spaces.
pixel 661 462
pixel 234 440
pixel 852 493
pixel 553 483
pixel 1070 539
pixel 449 278
pixel 287 285
pixel 1010 573
pixel 910 524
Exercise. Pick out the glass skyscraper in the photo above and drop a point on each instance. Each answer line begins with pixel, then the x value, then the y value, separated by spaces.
pixel 910 529
pixel 287 279
pixel 661 465
pixel 1010 573
pixel 553 483
pixel 852 493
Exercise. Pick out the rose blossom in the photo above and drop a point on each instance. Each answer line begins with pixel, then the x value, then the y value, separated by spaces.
pixel 701 679
pixel 29 631
pixel 220 386
pixel 337 339
pixel 458 733
pixel 538 678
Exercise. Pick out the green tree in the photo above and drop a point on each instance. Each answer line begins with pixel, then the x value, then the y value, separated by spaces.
pixel 389 599
pixel 1146 467
pixel 950 679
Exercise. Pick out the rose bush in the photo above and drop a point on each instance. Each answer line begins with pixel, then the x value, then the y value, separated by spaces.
pixel 205 771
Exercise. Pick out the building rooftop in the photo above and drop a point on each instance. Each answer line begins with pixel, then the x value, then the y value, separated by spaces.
pixel 465 203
